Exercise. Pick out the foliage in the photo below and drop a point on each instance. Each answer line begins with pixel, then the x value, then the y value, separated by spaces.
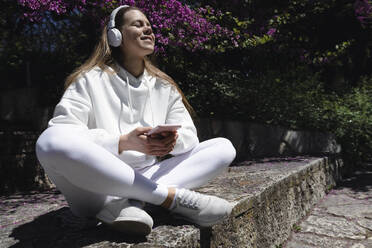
pixel 51 38
pixel 330 35
pixel 363 11
pixel 297 99
pixel 174 23
pixel 352 121
pixel 302 64
pixel 334 36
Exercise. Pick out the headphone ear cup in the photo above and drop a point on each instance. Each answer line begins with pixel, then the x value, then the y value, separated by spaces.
pixel 114 37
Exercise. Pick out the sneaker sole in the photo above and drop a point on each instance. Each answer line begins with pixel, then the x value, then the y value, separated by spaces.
pixel 130 226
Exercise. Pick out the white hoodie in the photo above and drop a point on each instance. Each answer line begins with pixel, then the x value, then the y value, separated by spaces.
pixel 108 104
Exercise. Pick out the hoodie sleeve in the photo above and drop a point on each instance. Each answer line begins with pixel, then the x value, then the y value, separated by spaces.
pixel 178 114
pixel 74 110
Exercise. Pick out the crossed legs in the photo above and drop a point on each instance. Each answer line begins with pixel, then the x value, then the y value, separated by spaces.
pixel 89 176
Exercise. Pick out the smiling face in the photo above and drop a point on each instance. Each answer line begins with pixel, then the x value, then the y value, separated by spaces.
pixel 138 38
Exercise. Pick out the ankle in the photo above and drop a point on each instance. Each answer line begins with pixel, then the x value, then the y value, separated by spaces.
pixel 170 198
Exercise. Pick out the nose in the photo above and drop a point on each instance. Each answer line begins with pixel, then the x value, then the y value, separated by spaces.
pixel 147 30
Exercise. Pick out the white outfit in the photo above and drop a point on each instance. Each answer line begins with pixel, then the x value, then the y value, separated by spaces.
pixel 79 150
pixel 110 104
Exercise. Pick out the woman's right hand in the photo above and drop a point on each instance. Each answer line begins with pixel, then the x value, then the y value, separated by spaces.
pixel 135 140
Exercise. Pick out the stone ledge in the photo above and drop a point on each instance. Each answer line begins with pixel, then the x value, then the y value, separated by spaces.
pixel 270 197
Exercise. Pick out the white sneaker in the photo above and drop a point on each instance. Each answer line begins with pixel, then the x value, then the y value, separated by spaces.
pixel 126 216
pixel 203 210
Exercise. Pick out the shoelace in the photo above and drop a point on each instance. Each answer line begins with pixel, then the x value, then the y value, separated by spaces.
pixel 189 199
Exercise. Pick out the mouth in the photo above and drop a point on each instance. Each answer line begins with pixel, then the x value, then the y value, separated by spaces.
pixel 147 38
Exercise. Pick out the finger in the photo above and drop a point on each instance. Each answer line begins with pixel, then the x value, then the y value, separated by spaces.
pixel 168 133
pixel 155 142
pixel 163 145
pixel 159 151
pixel 167 151
pixel 156 136
pixel 169 143
pixel 142 130
pixel 162 135
pixel 144 140
pixel 165 134
pixel 170 150
pixel 162 142
pixel 169 147
pixel 171 136
pixel 170 140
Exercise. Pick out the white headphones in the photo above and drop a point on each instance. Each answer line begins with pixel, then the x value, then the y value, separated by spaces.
pixel 113 34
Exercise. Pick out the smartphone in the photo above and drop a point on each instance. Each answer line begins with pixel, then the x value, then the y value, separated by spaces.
pixel 164 128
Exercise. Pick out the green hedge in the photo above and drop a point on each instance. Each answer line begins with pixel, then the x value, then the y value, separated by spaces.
pixel 297 98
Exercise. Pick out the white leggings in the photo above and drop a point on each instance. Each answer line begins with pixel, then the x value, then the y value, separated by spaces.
pixel 89 176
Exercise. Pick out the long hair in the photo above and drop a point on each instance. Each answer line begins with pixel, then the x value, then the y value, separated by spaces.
pixel 105 56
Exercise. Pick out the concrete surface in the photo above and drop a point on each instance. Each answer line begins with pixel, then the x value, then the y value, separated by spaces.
pixel 342 219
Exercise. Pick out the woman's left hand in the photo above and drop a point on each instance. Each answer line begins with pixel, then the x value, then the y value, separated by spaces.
pixel 163 143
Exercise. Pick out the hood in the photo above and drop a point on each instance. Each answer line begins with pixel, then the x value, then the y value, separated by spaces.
pixel 145 78
pixel 131 81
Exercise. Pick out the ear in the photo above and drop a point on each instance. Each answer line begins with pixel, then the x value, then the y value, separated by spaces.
pixel 114 37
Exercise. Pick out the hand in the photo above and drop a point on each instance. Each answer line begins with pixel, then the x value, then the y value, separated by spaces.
pixel 156 145
pixel 163 142
pixel 135 140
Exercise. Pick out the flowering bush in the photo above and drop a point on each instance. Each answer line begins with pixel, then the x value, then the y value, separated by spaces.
pixel 264 32
pixel 283 62
pixel 174 23
pixel 363 11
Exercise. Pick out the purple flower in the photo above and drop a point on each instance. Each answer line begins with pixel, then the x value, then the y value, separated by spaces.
pixel 363 10
pixel 271 31
pixel 174 23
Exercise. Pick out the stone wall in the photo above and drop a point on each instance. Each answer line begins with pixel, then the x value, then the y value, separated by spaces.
pixel 254 140
pixel 21 108
pixel 270 200
pixel 19 168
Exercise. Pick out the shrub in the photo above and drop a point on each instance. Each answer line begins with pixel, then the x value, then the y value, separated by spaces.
pixel 296 99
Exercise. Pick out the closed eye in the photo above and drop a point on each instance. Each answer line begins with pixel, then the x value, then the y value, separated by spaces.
pixel 137 24
pixel 140 23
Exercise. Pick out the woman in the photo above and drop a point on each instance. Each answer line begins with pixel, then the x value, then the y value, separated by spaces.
pixel 96 150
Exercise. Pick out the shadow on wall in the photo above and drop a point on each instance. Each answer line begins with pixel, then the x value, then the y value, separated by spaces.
pixel 253 140
pixel 20 108
pixel 19 168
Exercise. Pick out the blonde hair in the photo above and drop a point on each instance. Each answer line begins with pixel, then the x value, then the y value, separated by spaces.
pixel 105 56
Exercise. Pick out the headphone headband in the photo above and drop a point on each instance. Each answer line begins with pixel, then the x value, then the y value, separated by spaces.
pixel 111 23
